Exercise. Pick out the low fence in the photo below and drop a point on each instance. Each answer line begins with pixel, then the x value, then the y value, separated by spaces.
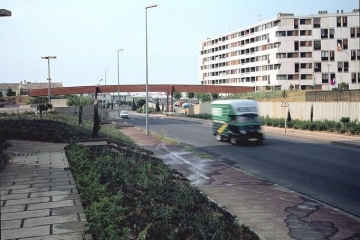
pixel 298 110
pixel 333 96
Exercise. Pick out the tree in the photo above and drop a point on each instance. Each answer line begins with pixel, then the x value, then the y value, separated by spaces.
pixel 97 119
pixel 177 95
pixel 214 96
pixel 140 103
pixel 157 108
pixel 133 105
pixel 203 97
pixel 190 95
pixel 342 86
pixel 10 92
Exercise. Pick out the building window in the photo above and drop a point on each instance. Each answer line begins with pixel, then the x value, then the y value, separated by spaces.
pixel 344 21
pixel 358 54
pixel 296 23
pixel 305 54
pixel 339 45
pixel 317 44
pixel 280 34
pixel 358 77
pixel 352 32
pixel 281 55
pixel 358 32
pixel 332 33
pixel 345 43
pixel 338 21
pixel 280 77
pixel 346 66
pixel 324 55
pixel 324 33
pixel 325 78
pixel 305 21
pixel 317 67
pixel 353 77
pixel 332 55
pixel 316 22
pixel 353 54
pixel 340 66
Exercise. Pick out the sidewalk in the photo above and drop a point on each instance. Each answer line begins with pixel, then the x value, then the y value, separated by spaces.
pixel 39 199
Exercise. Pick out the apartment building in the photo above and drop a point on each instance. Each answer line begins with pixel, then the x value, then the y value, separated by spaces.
pixel 300 52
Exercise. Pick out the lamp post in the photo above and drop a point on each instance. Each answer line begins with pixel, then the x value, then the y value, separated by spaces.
pixel 328 76
pixel 105 75
pixel 49 79
pixel 146 107
pixel 118 101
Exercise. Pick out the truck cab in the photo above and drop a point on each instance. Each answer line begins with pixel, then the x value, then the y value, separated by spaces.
pixel 236 121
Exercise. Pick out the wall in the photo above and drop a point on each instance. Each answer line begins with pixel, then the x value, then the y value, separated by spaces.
pixel 299 110
pixel 88 112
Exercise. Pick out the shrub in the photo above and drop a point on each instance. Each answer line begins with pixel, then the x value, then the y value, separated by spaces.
pixel 4 158
pixel 131 198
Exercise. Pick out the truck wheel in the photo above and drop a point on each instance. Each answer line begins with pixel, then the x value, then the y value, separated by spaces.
pixel 219 138
pixel 233 141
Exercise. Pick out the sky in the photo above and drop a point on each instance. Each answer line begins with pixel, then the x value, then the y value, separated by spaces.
pixel 85 36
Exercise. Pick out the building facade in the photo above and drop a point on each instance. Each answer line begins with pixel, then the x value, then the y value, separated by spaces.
pixel 319 51
pixel 24 87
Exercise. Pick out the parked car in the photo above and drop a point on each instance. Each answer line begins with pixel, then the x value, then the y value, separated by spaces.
pixel 2 103
pixel 124 114
pixel 186 105
pixel 179 103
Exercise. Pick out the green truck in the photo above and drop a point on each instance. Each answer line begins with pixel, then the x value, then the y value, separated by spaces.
pixel 236 121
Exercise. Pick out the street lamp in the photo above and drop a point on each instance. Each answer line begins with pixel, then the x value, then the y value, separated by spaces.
pixel 146 107
pixel 328 76
pixel 105 75
pixel 118 101
pixel 49 79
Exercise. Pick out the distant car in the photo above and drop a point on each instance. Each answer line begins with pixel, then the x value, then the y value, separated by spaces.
pixel 124 114
pixel 2 103
pixel 186 105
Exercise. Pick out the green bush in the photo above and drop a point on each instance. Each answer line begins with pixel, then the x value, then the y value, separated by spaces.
pixel 352 127
pixel 126 196
pixel 4 158
pixel 201 116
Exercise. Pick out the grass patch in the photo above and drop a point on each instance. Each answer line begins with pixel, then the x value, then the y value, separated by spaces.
pixel 162 138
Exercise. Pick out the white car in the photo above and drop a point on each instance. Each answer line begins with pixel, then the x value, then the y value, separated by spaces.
pixel 124 114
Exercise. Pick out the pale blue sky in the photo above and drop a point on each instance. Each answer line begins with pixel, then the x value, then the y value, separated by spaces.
pixel 86 34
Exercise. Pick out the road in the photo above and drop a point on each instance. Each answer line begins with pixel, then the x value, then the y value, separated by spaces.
pixel 325 172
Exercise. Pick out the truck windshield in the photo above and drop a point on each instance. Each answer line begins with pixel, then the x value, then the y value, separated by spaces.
pixel 247 119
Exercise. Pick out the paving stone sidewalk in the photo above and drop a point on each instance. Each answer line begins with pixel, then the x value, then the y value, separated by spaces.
pixel 39 198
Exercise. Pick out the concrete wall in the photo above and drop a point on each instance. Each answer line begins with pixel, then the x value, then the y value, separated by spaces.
pixel 88 112
pixel 299 110
pixel 59 102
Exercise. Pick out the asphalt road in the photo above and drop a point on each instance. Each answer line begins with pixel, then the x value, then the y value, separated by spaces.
pixel 325 172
